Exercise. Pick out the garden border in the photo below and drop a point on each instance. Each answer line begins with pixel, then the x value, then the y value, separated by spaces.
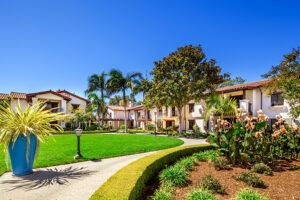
pixel 129 181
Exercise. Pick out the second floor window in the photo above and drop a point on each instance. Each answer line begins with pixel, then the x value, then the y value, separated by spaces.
pixel 191 107
pixel 276 99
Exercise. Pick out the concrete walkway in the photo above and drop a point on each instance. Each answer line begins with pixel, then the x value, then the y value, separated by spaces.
pixel 77 181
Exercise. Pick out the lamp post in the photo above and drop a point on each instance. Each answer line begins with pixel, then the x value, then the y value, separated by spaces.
pixel 78 132
pixel 155 120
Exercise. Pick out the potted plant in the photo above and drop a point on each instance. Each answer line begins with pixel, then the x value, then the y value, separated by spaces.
pixel 21 130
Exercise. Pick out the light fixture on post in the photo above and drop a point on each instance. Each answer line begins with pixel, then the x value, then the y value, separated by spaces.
pixel 155 120
pixel 78 132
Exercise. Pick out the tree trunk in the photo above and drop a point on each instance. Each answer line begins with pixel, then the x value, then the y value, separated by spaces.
pixel 125 121
pixel 180 118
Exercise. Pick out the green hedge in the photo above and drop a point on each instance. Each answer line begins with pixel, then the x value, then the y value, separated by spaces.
pixel 128 182
pixel 84 132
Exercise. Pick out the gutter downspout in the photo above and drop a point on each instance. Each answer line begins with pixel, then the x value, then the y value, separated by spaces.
pixel 261 101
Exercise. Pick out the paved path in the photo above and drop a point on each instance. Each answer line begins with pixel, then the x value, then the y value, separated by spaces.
pixel 76 181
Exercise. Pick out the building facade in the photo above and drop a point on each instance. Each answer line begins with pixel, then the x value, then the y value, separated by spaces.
pixel 59 101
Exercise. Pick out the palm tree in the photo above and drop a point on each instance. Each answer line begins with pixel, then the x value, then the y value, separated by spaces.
pixel 97 83
pixel 97 105
pixel 218 105
pixel 120 83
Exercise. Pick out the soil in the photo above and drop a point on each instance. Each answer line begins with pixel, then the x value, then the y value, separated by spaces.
pixel 283 185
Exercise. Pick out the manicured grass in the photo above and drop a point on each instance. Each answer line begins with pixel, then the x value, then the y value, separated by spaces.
pixel 60 149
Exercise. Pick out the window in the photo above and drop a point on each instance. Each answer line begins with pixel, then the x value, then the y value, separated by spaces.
pixel 191 124
pixel 173 111
pixel 191 107
pixel 75 106
pixel 276 99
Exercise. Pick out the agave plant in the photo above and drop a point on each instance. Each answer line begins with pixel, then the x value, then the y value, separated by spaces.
pixel 35 119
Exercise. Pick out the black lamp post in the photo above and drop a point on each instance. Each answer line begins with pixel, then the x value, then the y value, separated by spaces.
pixel 155 112
pixel 78 132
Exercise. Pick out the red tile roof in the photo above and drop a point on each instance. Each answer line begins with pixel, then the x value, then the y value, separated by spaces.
pixel 63 92
pixel 245 86
pixel 3 96
pixel 48 91
pixel 121 108
pixel 18 95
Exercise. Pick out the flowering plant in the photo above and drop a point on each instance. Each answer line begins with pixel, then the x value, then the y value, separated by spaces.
pixel 252 140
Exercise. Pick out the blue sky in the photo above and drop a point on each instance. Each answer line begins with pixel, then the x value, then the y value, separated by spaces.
pixel 58 44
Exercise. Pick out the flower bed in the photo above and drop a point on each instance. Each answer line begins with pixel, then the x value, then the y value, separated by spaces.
pixel 232 182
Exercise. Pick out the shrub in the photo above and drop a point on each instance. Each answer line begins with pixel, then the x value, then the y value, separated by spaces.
pixel 93 127
pixel 106 127
pixel 188 163
pixel 150 127
pixel 251 179
pixel 220 164
pixel 212 184
pixel 200 194
pixel 248 194
pixel 209 155
pixel 122 127
pixel 176 175
pixel 132 178
pixel 162 195
pixel 262 168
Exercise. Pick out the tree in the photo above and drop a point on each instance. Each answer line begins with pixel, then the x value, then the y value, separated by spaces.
pixel 237 80
pixel 285 77
pixel 182 76
pixel 115 100
pixel 97 83
pixel 218 105
pixel 97 105
pixel 120 83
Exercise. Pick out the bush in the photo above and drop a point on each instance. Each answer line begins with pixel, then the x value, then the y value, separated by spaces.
pixel 220 164
pixel 212 184
pixel 262 168
pixel 162 195
pixel 150 127
pixel 128 182
pixel 209 155
pixel 188 163
pixel 122 127
pixel 93 127
pixel 251 179
pixel 177 175
pixel 200 194
pixel 248 194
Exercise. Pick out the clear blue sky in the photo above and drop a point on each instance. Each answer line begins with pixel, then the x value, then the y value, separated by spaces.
pixel 58 44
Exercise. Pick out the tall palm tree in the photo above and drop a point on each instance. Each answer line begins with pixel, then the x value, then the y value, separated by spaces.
pixel 98 83
pixel 120 83
pixel 97 105
pixel 218 105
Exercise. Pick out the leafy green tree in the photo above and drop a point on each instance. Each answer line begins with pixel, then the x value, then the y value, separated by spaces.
pixel 237 80
pixel 120 83
pixel 182 76
pixel 97 83
pixel 285 77
pixel 220 105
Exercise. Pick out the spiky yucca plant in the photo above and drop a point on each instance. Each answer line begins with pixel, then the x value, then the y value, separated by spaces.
pixel 34 119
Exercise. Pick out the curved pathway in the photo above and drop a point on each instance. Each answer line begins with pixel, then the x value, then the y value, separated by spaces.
pixel 76 181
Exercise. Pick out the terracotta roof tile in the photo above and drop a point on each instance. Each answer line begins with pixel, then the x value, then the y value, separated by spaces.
pixel 3 96
pixel 64 92
pixel 121 108
pixel 245 86
pixel 18 95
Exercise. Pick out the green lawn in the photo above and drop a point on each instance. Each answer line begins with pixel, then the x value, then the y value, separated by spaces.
pixel 62 149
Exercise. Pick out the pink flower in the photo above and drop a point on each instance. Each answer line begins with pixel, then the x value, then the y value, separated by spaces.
pixel 257 134
pixel 278 117
pixel 260 112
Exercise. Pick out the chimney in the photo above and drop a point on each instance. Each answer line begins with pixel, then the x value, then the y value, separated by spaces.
pixel 130 104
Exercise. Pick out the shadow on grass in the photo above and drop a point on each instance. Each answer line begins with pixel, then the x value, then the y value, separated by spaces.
pixel 42 178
